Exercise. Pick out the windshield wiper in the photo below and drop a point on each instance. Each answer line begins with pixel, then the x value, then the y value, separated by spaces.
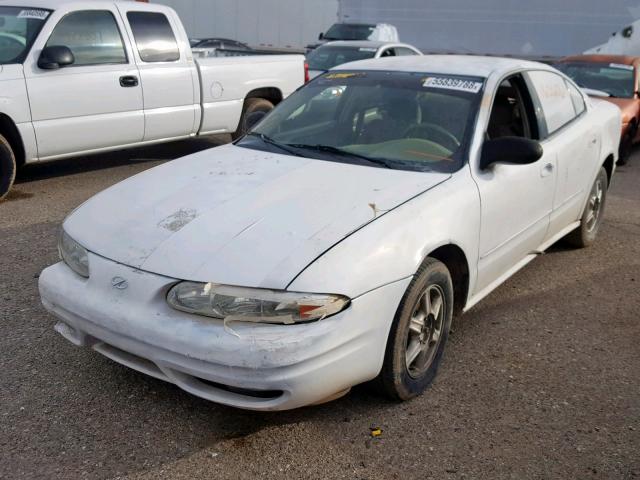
pixel 271 141
pixel 342 153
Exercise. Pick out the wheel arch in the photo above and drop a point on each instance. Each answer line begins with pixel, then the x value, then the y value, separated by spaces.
pixel 608 166
pixel 9 131
pixel 456 262
pixel 273 94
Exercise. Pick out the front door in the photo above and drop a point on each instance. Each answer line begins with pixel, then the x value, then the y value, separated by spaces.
pixel 516 200
pixel 87 105
pixel 168 73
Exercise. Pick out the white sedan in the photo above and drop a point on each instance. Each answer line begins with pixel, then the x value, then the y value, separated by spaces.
pixel 334 244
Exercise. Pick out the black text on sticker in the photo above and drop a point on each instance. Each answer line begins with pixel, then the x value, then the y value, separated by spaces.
pixel 453 84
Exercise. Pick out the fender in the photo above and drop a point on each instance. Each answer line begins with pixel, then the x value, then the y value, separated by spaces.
pixel 15 113
pixel 394 246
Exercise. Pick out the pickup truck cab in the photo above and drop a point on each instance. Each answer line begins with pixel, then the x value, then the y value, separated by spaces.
pixel 92 76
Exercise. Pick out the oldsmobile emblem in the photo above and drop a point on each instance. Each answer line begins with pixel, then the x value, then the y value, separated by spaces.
pixel 119 283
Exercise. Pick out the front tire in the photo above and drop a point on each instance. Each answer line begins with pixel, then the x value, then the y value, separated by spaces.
pixel 7 167
pixel 251 105
pixel 585 235
pixel 419 333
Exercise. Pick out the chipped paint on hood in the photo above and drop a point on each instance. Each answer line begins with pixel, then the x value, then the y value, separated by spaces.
pixel 237 216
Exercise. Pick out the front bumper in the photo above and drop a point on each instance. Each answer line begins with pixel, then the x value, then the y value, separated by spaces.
pixel 257 367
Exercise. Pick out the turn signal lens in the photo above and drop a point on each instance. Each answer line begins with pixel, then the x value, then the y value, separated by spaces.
pixel 73 254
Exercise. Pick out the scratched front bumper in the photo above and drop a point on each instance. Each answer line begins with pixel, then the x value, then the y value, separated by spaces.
pixel 258 367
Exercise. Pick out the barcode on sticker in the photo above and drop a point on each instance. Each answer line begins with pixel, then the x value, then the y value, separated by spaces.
pixel 453 84
pixel 36 14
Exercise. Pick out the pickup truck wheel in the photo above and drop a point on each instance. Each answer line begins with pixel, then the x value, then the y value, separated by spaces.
pixel 585 234
pixel 419 333
pixel 7 167
pixel 251 105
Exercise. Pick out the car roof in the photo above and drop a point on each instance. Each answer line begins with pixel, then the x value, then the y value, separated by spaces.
pixel 468 65
pixel 56 4
pixel 363 44
pixel 621 59
pixel 358 24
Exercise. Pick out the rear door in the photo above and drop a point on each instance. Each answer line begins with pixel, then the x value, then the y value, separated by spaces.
pixel 576 141
pixel 87 105
pixel 167 71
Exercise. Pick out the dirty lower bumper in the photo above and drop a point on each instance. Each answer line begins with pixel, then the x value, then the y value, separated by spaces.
pixel 258 367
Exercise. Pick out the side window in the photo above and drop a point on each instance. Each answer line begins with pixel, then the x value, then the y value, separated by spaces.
pixel 93 37
pixel 404 51
pixel 555 99
pixel 576 98
pixel 154 37
pixel 513 114
pixel 389 52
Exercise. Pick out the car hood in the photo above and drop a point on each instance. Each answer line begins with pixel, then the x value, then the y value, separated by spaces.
pixel 628 106
pixel 238 216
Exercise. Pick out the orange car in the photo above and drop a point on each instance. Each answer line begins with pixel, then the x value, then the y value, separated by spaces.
pixel 614 78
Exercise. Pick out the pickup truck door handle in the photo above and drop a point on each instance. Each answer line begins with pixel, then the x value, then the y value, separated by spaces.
pixel 129 81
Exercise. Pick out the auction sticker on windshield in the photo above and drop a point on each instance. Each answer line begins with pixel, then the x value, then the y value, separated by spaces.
pixel 35 14
pixel 453 84
pixel 621 66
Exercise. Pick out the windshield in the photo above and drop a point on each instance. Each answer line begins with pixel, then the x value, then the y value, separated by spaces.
pixel 19 26
pixel 346 31
pixel 325 58
pixel 398 120
pixel 615 80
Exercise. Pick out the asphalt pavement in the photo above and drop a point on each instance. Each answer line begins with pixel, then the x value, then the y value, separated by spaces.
pixel 539 381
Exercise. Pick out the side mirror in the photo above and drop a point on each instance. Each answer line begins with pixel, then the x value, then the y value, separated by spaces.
pixel 321 36
pixel 515 150
pixel 253 119
pixel 55 56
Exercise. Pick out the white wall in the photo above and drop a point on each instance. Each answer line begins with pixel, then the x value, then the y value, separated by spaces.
pixel 517 27
pixel 278 23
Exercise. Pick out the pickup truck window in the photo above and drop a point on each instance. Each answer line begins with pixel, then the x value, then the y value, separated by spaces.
pixel 19 27
pixel 154 37
pixel 92 35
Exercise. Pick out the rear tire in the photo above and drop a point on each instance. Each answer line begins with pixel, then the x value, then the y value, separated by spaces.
pixel 585 235
pixel 7 167
pixel 251 105
pixel 418 334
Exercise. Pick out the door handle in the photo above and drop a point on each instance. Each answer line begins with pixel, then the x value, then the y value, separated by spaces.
pixel 547 170
pixel 129 81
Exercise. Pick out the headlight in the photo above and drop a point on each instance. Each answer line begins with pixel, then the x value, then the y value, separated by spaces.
pixel 73 254
pixel 253 304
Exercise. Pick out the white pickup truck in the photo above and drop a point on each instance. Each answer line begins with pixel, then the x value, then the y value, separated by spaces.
pixel 91 76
